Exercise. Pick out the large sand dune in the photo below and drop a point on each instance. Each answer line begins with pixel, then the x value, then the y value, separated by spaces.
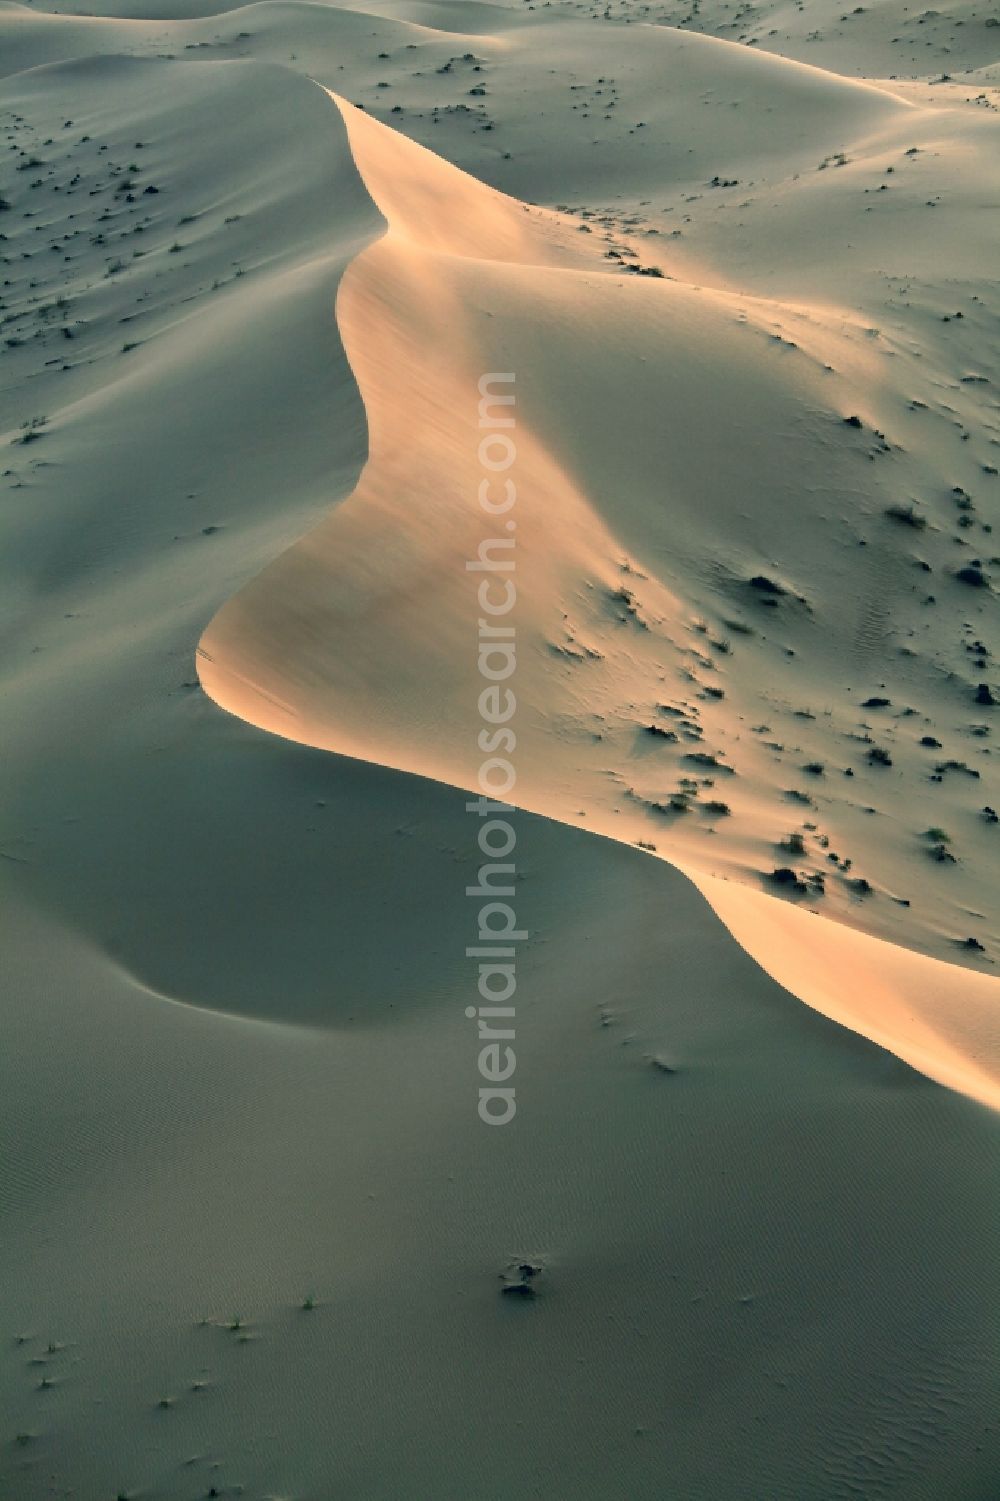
pixel 628 380
pixel 255 1233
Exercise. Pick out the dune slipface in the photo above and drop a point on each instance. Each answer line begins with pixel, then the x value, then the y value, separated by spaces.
pixel 392 391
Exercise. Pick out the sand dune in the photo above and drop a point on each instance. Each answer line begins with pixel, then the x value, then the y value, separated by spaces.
pixel 256 1237
pixel 379 596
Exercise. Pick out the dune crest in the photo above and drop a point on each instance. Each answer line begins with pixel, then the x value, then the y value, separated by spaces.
pixel 361 639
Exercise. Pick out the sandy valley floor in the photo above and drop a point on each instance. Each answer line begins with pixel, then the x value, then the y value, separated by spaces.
pixel 741 261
